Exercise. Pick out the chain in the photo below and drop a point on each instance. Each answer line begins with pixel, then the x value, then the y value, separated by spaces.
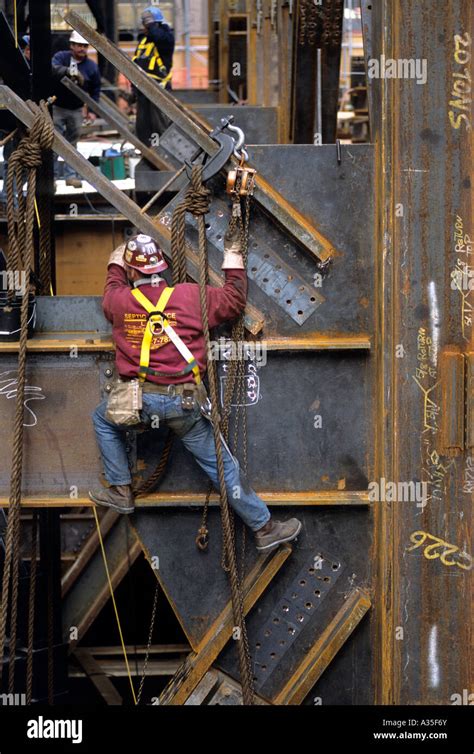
pixel 148 646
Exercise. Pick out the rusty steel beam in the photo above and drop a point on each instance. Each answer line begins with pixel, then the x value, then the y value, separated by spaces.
pixel 95 673
pixel 322 653
pixel 200 660
pixel 105 113
pixel 270 199
pixel 423 138
pixel 107 521
pixel 330 498
pixel 253 317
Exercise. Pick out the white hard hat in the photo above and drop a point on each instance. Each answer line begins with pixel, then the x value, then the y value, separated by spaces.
pixel 75 37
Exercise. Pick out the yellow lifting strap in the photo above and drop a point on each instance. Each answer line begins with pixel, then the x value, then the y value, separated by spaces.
pixel 157 316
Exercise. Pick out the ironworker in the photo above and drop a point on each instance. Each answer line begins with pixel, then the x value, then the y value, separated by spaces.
pixel 154 55
pixel 171 364
pixel 68 109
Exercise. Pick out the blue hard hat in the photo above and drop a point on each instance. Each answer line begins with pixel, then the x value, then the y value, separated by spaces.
pixel 26 40
pixel 155 12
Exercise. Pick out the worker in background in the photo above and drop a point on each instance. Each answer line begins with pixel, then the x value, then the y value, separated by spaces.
pixel 25 46
pixel 154 55
pixel 68 109
pixel 169 378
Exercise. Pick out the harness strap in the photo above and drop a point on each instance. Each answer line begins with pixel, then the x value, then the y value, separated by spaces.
pixel 150 53
pixel 156 315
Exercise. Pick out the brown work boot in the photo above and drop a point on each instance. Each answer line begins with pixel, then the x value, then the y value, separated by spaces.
pixel 119 497
pixel 76 182
pixel 276 532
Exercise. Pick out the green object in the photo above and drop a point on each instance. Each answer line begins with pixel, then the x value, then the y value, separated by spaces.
pixel 113 167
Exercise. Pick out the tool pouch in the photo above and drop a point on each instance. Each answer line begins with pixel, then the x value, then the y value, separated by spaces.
pixel 125 402
pixel 200 394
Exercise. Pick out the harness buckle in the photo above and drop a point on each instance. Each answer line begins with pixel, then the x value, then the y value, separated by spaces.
pixel 187 399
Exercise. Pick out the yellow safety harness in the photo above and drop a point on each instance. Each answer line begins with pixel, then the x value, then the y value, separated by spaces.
pixel 156 316
pixel 147 51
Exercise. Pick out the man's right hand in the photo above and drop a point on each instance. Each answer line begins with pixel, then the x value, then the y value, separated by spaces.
pixel 78 78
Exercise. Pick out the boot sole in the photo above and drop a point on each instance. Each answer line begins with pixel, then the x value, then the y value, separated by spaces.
pixel 262 548
pixel 117 508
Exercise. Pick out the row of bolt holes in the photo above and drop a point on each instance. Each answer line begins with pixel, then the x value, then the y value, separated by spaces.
pixel 277 267
pixel 300 618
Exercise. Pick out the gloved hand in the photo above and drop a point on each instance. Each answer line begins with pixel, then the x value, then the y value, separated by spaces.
pixel 117 256
pixel 233 259
pixel 77 77
pixel 149 18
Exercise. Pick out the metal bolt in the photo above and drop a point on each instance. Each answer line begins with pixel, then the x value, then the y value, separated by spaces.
pixel 108 387
pixel 108 372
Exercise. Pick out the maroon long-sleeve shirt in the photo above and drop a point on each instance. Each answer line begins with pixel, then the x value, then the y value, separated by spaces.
pixel 183 311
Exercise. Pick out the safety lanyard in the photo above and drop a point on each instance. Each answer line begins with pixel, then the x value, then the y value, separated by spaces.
pixel 156 315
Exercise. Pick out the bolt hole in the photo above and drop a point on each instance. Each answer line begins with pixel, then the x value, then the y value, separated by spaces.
pixel 218 237
pixel 300 312
pixel 254 269
pixel 272 655
pixel 277 290
pixel 265 280
pixel 327 578
pixel 285 608
pixel 335 566
pixel 258 645
pixel 312 299
pixel 301 287
pixel 267 632
pixel 288 300
pixel 291 631
pixel 302 582
pixel 266 256
pixel 276 619
pixel 207 225
pixel 300 618
pixel 311 570
pixel 317 593
pixel 308 605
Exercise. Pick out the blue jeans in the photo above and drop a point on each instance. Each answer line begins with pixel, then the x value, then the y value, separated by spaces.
pixel 68 123
pixel 196 433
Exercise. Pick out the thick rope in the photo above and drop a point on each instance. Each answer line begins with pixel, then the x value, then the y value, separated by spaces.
pixel 22 166
pixel 197 202
pixel 31 608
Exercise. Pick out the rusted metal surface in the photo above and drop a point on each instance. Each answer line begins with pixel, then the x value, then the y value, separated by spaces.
pixel 424 218
pixel 118 199
pixel 287 214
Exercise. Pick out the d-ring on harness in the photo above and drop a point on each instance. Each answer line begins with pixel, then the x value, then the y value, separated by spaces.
pixel 156 316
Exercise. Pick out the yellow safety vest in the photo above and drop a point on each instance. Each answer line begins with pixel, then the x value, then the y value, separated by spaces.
pixel 156 315
pixel 148 51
